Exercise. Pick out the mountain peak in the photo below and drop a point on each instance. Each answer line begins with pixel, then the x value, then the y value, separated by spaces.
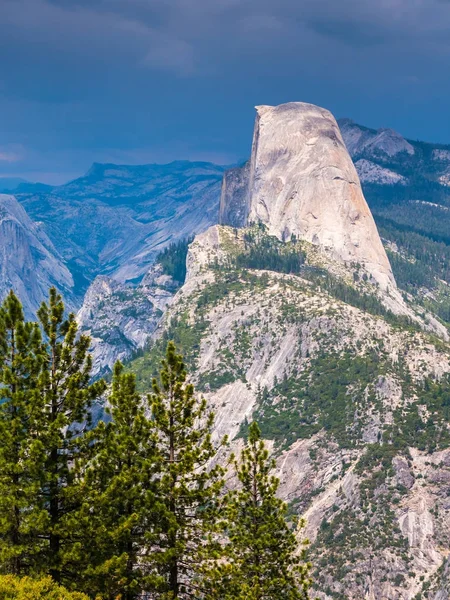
pixel 370 142
pixel 345 121
pixel 301 181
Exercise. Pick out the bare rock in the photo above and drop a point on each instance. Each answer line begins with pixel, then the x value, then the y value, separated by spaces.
pixel 29 263
pixel 403 473
pixel 302 182
pixel 233 202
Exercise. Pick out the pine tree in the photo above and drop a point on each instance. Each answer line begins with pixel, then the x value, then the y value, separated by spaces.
pixel 117 485
pixel 21 516
pixel 189 486
pixel 66 395
pixel 262 560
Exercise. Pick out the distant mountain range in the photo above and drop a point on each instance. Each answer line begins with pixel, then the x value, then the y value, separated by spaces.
pixel 29 262
pixel 384 157
pixel 9 184
pixel 116 218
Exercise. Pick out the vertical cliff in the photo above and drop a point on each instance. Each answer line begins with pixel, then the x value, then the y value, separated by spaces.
pixel 301 181
pixel 29 263
pixel 233 201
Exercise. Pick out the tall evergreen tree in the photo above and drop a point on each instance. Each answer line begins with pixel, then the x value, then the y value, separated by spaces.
pixel 262 552
pixel 117 485
pixel 66 395
pixel 189 486
pixel 21 516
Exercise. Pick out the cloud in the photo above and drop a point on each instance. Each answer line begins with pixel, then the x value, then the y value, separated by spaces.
pixel 88 35
pixel 171 54
pixel 81 77
pixel 8 157
pixel 11 154
pixel 363 22
pixel 104 38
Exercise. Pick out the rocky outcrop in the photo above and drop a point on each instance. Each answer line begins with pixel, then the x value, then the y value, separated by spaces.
pixel 302 182
pixel 234 207
pixel 29 263
pixel 441 155
pixel 352 405
pixel 382 142
pixel 120 319
pixel 370 172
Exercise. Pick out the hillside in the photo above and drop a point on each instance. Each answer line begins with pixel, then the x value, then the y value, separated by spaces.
pixel 29 262
pixel 405 184
pixel 115 219
pixel 353 399
pixel 348 376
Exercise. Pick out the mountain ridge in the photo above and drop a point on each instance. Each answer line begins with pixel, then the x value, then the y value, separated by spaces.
pixel 26 251
pixel 327 381
pixel 114 223
pixel 351 397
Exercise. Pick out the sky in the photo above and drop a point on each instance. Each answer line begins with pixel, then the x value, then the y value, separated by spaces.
pixel 140 81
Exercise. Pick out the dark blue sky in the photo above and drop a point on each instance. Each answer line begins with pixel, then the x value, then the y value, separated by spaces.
pixel 137 81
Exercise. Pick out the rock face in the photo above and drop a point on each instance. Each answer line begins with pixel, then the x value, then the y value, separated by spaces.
pixel 29 263
pixel 370 172
pixel 114 220
pixel 120 318
pixel 233 201
pixel 302 182
pixel 352 403
pixel 361 140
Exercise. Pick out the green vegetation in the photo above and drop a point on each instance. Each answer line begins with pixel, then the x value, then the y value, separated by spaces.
pixel 261 557
pixel 333 394
pixel 429 255
pixel 415 220
pixel 20 460
pixel 228 283
pixel 426 219
pixel 134 506
pixel 61 411
pixel 189 487
pixel 421 265
pixel 263 251
pixel 173 259
pixel 355 297
pixel 326 396
pixel 410 428
pixel 117 484
pixel 46 396
pixel 25 588
pixel 187 338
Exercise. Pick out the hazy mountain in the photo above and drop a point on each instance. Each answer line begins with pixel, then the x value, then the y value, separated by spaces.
pixel 370 142
pixel 29 263
pixel 385 157
pixel 116 218
pixel 8 184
